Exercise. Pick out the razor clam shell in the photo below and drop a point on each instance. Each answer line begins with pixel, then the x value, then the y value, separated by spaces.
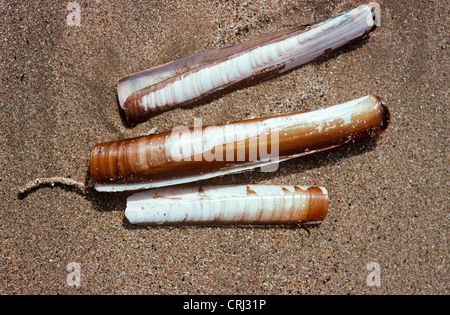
pixel 180 157
pixel 229 205
pixel 202 77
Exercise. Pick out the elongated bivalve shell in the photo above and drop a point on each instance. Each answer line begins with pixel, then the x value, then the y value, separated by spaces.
pixel 202 77
pixel 229 205
pixel 191 154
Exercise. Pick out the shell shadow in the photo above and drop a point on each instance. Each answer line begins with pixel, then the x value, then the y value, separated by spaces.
pixel 128 226
pixel 106 202
pixel 298 165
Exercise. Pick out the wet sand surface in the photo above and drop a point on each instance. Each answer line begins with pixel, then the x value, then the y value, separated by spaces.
pixel 388 196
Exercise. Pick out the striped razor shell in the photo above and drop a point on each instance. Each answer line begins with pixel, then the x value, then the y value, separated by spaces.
pixel 190 154
pixel 203 77
pixel 225 205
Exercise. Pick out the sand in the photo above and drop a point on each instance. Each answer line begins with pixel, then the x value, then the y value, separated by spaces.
pixel 388 196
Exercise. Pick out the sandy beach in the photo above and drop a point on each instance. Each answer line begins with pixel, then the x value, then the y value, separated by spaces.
pixel 388 195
